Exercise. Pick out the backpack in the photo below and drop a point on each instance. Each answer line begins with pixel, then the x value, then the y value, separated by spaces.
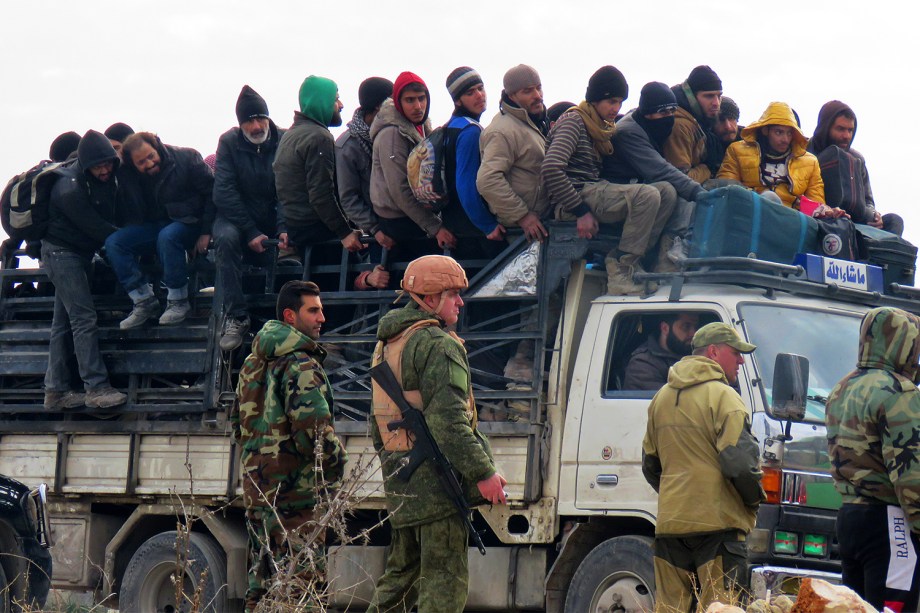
pixel 24 204
pixel 429 168
pixel 837 238
pixel 844 188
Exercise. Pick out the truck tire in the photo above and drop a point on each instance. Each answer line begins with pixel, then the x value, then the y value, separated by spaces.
pixel 616 576
pixel 147 588
pixel 5 592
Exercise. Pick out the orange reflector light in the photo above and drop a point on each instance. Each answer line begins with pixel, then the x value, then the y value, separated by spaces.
pixel 772 483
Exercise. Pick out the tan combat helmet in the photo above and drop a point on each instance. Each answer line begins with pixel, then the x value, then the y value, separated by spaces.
pixel 430 275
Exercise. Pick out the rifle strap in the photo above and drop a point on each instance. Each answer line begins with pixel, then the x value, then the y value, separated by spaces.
pixel 383 408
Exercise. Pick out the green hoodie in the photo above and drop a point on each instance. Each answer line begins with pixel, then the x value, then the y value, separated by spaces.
pixel 699 453
pixel 284 404
pixel 436 365
pixel 317 98
pixel 873 417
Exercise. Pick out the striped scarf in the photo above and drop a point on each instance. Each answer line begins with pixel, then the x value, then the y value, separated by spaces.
pixel 361 131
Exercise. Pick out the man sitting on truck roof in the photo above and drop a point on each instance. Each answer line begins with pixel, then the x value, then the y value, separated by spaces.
pixel 571 173
pixel 513 147
pixel 832 142
pixel 698 99
pixel 649 363
pixel 248 211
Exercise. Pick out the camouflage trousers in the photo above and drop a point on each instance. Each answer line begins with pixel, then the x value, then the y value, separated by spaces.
pixel 709 568
pixel 426 564
pixel 277 544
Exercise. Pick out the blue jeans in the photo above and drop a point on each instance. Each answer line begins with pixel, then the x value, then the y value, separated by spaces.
pixel 169 240
pixel 73 326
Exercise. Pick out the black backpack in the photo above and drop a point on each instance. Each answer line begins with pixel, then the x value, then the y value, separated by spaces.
pixel 24 204
pixel 837 238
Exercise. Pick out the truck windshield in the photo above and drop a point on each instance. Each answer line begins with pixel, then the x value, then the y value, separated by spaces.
pixel 829 341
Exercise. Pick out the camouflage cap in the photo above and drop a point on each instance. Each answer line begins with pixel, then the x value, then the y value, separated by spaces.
pixel 719 333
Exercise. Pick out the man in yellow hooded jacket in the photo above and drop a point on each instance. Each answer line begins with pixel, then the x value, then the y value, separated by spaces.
pixel 771 156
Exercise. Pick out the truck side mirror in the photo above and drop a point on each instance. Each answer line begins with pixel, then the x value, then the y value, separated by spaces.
pixel 790 387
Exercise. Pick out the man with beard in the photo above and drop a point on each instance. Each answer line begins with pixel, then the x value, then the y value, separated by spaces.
pixel 637 157
pixel 698 99
pixel 305 170
pixel 467 214
pixel 832 142
pixel 513 147
pixel 649 363
pixel 571 173
pixel 247 207
pixel 176 187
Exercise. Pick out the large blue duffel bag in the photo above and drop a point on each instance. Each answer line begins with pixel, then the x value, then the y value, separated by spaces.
pixel 734 221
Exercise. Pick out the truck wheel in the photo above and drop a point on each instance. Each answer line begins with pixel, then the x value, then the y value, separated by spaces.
pixel 5 592
pixel 616 576
pixel 147 586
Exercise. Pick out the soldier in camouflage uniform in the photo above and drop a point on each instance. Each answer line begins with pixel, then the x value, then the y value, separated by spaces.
pixel 873 417
pixel 427 561
pixel 281 421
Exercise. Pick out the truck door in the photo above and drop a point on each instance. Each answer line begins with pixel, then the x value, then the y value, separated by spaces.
pixel 609 466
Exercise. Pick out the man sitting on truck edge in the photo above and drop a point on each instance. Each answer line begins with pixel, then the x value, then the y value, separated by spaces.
pixel 86 206
pixel 571 173
pixel 701 458
pixel 833 138
pixel 282 416
pixel 649 364
pixel 698 98
pixel 872 435
pixel 513 147
pixel 427 559
pixel 176 188
pixel 400 125
pixel 248 211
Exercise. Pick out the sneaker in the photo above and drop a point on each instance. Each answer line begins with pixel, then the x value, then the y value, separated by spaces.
pixel 232 336
pixel 176 312
pixel 679 250
pixel 665 264
pixel 64 400
pixel 620 276
pixel 105 398
pixel 142 311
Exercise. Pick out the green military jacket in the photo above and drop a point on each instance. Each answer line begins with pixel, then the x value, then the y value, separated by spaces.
pixel 873 417
pixel 283 418
pixel 436 365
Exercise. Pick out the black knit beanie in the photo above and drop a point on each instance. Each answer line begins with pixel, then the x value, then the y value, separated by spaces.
pixel 373 91
pixel 63 146
pixel 460 80
pixel 554 112
pixel 607 82
pixel 655 98
pixel 729 109
pixel 118 131
pixel 250 104
pixel 704 79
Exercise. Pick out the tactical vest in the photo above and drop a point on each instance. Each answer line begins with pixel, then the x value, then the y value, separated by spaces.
pixel 383 408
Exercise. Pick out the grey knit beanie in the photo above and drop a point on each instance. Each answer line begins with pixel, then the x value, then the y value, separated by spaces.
pixel 520 77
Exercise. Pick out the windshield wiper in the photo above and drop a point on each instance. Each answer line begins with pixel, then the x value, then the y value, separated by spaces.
pixel 821 399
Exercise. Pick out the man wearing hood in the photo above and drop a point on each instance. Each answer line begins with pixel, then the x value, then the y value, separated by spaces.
pixel 637 157
pixel 571 173
pixel 305 170
pixel 86 206
pixel 283 424
pixel 247 207
pixel 698 447
pixel 176 188
pixel 771 157
pixel 698 99
pixel 832 142
pixel 401 124
pixel 512 149
pixel 873 443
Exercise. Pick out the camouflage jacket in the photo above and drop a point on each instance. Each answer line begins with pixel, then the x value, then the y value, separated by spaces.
pixel 283 414
pixel 873 417
pixel 437 366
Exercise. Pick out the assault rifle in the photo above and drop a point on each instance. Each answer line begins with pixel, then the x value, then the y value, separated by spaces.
pixel 424 447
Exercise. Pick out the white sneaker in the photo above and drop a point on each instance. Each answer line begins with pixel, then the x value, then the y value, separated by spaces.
pixel 680 250
pixel 176 312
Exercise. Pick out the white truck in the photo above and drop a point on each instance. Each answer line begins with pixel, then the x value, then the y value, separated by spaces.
pixel 577 533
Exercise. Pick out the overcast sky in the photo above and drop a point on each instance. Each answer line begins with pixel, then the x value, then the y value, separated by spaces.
pixel 176 68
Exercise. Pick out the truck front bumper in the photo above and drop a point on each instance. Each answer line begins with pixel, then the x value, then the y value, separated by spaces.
pixel 780 579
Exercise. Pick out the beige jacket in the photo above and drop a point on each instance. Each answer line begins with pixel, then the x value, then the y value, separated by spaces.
pixel 512 149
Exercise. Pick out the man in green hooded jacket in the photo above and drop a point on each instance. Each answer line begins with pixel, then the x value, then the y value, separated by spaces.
pixel 873 435
pixel 427 561
pixel 283 422
pixel 305 170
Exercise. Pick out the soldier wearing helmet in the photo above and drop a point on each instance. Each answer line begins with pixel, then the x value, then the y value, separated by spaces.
pixel 427 561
